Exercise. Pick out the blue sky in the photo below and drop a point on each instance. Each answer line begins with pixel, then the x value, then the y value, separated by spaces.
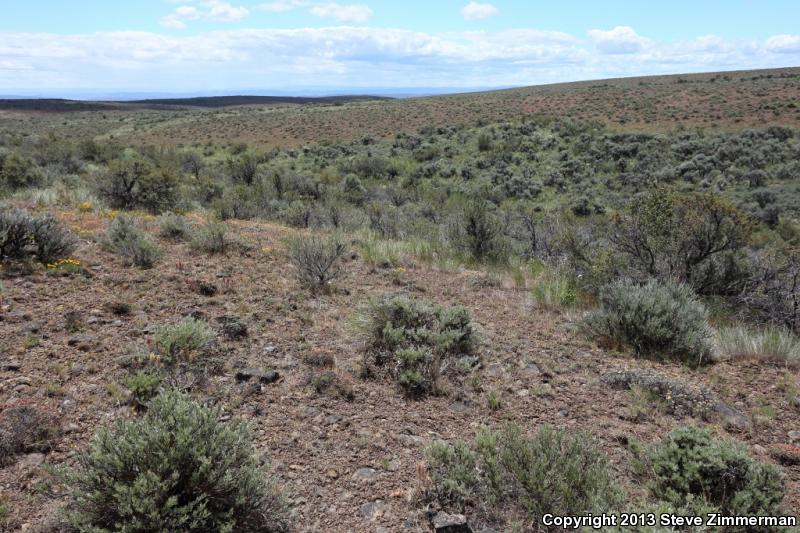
pixel 225 45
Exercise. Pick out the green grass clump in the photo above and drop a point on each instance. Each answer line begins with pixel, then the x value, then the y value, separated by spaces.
pixel 555 471
pixel 125 239
pixel 183 340
pixel 177 468
pixel 771 344
pixel 555 290
pixel 656 319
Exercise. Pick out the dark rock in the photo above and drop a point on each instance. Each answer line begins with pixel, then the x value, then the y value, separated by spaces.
pixel 450 523
pixel 233 327
pixel 731 418
pixel 263 376
pixel 11 366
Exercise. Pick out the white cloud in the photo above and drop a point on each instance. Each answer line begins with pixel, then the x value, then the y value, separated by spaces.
pixel 343 13
pixel 354 56
pixel 477 11
pixel 223 11
pixel 216 10
pixel 784 44
pixel 620 40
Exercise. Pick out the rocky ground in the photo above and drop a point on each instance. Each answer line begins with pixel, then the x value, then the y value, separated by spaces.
pixel 351 458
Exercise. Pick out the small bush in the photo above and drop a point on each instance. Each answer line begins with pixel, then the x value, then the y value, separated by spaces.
pixel 177 468
pixel 174 227
pixel 210 238
pixel 144 386
pixel 25 429
pixel 52 240
pixel 183 340
pixel 416 336
pixel 555 471
pixel 316 260
pixel 656 319
pixel 23 235
pixel 126 240
pixel 771 344
pixel 690 468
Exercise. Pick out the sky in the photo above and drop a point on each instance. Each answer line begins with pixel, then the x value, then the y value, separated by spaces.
pixel 281 46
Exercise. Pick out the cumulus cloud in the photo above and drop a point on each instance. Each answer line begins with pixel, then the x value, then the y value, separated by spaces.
pixel 784 44
pixel 354 56
pixel 620 40
pixel 343 13
pixel 477 11
pixel 217 10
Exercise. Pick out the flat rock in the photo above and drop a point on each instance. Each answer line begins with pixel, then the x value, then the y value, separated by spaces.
pixel 32 459
pixel 366 474
pixel 450 523
pixel 372 510
pixel 731 418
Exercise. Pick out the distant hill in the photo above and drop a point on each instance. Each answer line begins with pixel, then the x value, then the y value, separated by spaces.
pixel 60 105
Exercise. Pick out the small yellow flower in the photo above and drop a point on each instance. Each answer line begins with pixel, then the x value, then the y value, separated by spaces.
pixel 85 207
pixel 267 250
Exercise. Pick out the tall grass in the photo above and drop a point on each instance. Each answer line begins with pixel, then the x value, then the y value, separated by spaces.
pixel 770 344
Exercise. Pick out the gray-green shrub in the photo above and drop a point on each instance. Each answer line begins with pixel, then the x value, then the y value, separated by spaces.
pixel 691 468
pixel 174 226
pixel 554 471
pixel 24 235
pixel 183 340
pixel 177 468
pixel 416 336
pixel 660 319
pixel 125 239
pixel 210 238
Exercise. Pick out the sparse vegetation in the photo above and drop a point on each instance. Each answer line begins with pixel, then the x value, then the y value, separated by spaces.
pixel 27 236
pixel 26 428
pixel 770 344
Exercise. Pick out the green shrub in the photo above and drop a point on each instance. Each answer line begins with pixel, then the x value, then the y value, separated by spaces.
pixel 655 319
pixel 173 226
pixel 183 340
pixel 133 182
pixel 316 260
pixel 51 239
pixel 17 172
pixel 126 240
pixel 210 238
pixel 415 336
pixel 23 235
pixel 144 386
pixel 555 471
pixel 689 468
pixel 177 468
